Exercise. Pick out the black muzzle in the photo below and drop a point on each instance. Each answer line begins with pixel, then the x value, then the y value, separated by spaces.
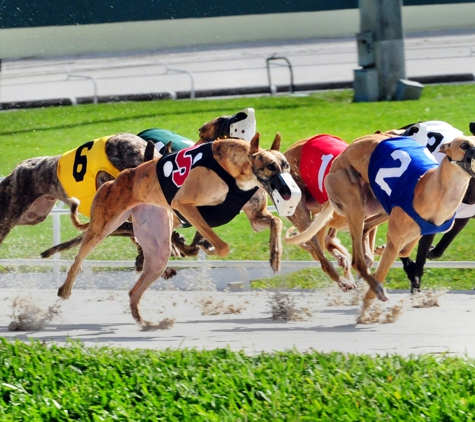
pixel 468 162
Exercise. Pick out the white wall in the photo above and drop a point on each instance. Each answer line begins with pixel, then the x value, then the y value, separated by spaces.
pixel 151 35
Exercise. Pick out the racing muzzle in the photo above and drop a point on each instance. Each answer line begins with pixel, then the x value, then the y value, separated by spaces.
pixel 468 162
pixel 285 194
pixel 242 124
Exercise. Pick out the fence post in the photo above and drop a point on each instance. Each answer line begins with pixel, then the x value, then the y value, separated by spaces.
pixel 56 240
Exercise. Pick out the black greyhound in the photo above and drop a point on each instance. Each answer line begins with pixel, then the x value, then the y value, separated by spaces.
pixel 415 269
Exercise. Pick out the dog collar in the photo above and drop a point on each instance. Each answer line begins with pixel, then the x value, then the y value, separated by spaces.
pixel 467 163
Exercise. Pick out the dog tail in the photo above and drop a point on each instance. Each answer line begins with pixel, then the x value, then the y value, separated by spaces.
pixel 65 246
pixel 318 223
pixel 73 214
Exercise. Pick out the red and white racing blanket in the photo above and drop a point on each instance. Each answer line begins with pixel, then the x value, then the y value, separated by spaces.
pixel 317 156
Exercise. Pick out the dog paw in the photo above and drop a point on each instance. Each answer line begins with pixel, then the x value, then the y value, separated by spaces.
pixel 380 292
pixel 64 293
pixel 433 253
pixel 346 285
pixel 275 265
pixel 342 261
pixel 169 273
pixel 223 249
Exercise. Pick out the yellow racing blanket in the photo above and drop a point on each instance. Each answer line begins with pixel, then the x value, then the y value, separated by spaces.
pixel 78 168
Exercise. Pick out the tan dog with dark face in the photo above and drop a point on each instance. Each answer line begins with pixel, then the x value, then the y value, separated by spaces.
pixel 309 207
pixel 436 194
pixel 141 194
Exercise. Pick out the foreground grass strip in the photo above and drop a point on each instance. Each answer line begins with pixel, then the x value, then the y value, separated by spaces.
pixel 40 383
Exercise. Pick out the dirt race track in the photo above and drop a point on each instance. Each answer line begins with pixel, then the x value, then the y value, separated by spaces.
pixel 252 322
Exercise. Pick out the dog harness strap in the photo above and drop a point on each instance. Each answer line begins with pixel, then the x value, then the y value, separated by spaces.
pixel 77 171
pixel 316 158
pixel 395 167
pixel 172 173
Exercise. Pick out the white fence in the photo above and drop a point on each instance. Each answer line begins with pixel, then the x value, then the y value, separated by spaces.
pixel 244 268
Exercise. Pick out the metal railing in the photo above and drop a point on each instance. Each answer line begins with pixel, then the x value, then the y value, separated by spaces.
pixel 84 74
pixel 271 60
pixel 243 267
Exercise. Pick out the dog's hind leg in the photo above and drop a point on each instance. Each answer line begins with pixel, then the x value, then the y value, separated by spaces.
pixel 16 200
pixel 346 193
pixel 110 208
pixel 153 227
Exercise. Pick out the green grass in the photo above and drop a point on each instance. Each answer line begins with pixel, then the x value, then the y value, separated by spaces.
pixel 72 382
pixel 50 131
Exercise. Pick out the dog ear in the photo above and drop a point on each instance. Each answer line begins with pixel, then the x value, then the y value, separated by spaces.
pixel 168 148
pixel 255 143
pixel 276 144
pixel 149 151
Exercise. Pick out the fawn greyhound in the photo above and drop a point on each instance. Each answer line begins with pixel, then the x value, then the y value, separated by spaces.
pixel 205 185
pixel 399 181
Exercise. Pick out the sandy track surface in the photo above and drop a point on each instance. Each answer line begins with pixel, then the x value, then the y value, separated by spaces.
pixel 253 321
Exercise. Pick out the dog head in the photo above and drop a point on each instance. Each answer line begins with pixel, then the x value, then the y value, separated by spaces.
pixel 241 125
pixel 272 170
pixel 461 151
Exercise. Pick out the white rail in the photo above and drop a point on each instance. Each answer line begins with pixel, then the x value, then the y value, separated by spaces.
pixel 242 266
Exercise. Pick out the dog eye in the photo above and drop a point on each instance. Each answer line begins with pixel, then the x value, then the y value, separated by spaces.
pixel 271 167
pixel 465 145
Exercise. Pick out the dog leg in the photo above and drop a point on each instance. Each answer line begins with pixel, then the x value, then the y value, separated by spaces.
pixel 196 193
pixel 109 210
pixel 16 200
pixel 447 238
pixel 153 228
pixel 260 219
pixel 335 248
pixel 415 270
pixel 346 192
pixel 307 236
pixel 401 239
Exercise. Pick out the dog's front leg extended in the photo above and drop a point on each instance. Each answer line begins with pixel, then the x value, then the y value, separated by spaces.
pixel 260 219
pixel 202 187
pixel 403 234
pixel 415 270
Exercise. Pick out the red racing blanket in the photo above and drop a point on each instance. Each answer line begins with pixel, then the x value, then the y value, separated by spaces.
pixel 317 156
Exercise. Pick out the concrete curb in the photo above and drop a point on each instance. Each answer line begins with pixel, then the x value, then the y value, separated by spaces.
pixel 221 92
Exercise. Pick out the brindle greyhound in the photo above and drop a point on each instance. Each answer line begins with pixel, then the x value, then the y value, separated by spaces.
pixel 360 184
pixel 204 185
